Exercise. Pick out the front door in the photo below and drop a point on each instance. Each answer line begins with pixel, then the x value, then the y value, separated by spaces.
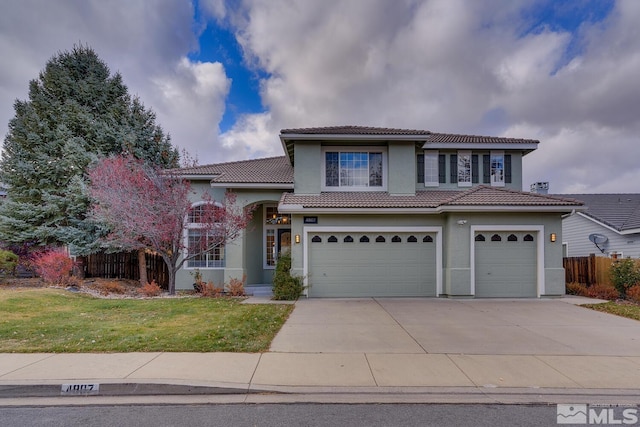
pixel 284 240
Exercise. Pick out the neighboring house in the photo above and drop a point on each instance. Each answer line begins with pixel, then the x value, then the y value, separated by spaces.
pixel 371 211
pixel 612 221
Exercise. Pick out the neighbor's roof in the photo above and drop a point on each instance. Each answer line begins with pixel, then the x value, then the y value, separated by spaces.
pixel 270 170
pixel 618 211
pixel 430 139
pixel 438 200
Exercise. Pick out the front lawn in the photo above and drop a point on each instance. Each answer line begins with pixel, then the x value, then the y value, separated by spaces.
pixel 57 321
pixel 632 311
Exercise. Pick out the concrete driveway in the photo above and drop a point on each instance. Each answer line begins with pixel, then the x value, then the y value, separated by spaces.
pixel 477 327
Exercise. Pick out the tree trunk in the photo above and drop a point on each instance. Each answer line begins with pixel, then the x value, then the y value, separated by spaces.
pixel 142 266
pixel 172 281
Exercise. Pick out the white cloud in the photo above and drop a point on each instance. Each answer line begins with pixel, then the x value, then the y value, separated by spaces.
pixel 194 93
pixel 464 66
pixel 455 66
pixel 253 136
pixel 147 42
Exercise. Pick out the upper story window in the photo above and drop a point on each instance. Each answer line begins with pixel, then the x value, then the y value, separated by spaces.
pixel 348 169
pixel 431 169
pixel 464 168
pixel 496 169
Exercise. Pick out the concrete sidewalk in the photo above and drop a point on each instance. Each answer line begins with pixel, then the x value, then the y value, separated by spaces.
pixel 528 378
pixel 371 370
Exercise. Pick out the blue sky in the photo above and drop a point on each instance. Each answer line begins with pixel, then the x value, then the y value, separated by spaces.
pixel 217 43
pixel 224 76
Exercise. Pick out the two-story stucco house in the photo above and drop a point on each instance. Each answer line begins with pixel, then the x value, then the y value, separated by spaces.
pixel 371 211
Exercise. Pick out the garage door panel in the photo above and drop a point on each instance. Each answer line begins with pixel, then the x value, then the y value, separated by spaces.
pixel 362 269
pixel 506 268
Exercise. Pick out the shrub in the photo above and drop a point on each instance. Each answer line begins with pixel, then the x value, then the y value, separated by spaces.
pixel 624 274
pixel 286 286
pixel 106 288
pixel 601 291
pixel 210 290
pixel 27 253
pixel 576 289
pixel 235 288
pixel 150 289
pixel 8 262
pixel 54 267
pixel 633 294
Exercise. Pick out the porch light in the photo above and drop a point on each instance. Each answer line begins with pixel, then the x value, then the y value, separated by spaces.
pixel 297 238
pixel 552 237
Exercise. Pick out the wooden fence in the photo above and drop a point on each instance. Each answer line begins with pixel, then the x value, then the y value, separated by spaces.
pixel 587 270
pixel 124 265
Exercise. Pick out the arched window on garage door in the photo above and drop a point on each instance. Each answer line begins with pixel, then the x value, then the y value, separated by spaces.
pixel 412 239
pixel 427 239
pixel 496 238
pixel 480 238
pixel 380 239
pixel 396 239
pixel 332 239
pixel 528 238
pixel 316 239
pixel 348 239
pixel 512 238
pixel 364 239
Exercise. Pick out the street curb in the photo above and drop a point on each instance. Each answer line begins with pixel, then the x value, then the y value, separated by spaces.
pixel 120 389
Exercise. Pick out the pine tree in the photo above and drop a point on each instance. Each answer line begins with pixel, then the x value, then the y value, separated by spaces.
pixel 77 113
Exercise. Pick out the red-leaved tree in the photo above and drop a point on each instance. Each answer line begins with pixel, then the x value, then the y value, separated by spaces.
pixel 148 208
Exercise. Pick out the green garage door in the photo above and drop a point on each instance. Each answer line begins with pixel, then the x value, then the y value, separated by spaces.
pixel 505 264
pixel 372 264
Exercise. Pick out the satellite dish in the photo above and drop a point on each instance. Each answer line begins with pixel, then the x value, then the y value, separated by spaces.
pixel 598 238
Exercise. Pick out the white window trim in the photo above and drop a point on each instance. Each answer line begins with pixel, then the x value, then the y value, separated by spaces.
pixel 496 183
pixel 465 183
pixel 195 226
pixel 266 227
pixel 433 154
pixel 354 149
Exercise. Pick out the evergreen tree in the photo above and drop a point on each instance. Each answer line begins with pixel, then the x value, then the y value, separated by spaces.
pixel 76 114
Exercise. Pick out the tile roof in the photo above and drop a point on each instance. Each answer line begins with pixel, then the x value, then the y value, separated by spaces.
pixel 476 196
pixel 368 199
pixel 430 136
pixel 353 130
pixel 270 170
pixel 619 211
pixel 498 196
pixel 450 138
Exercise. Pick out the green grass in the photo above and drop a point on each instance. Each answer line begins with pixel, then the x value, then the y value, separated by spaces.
pixel 631 311
pixel 56 321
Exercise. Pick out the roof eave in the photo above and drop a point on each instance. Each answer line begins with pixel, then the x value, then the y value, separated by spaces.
pixel 300 209
pixel 258 185
pixel 526 148
pixel 287 139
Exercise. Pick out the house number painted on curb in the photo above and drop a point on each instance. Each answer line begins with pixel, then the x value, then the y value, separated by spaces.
pixel 80 388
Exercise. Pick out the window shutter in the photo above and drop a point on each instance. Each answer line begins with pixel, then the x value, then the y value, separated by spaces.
pixel 453 162
pixel 486 169
pixel 474 169
pixel 507 168
pixel 442 173
pixel 420 168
